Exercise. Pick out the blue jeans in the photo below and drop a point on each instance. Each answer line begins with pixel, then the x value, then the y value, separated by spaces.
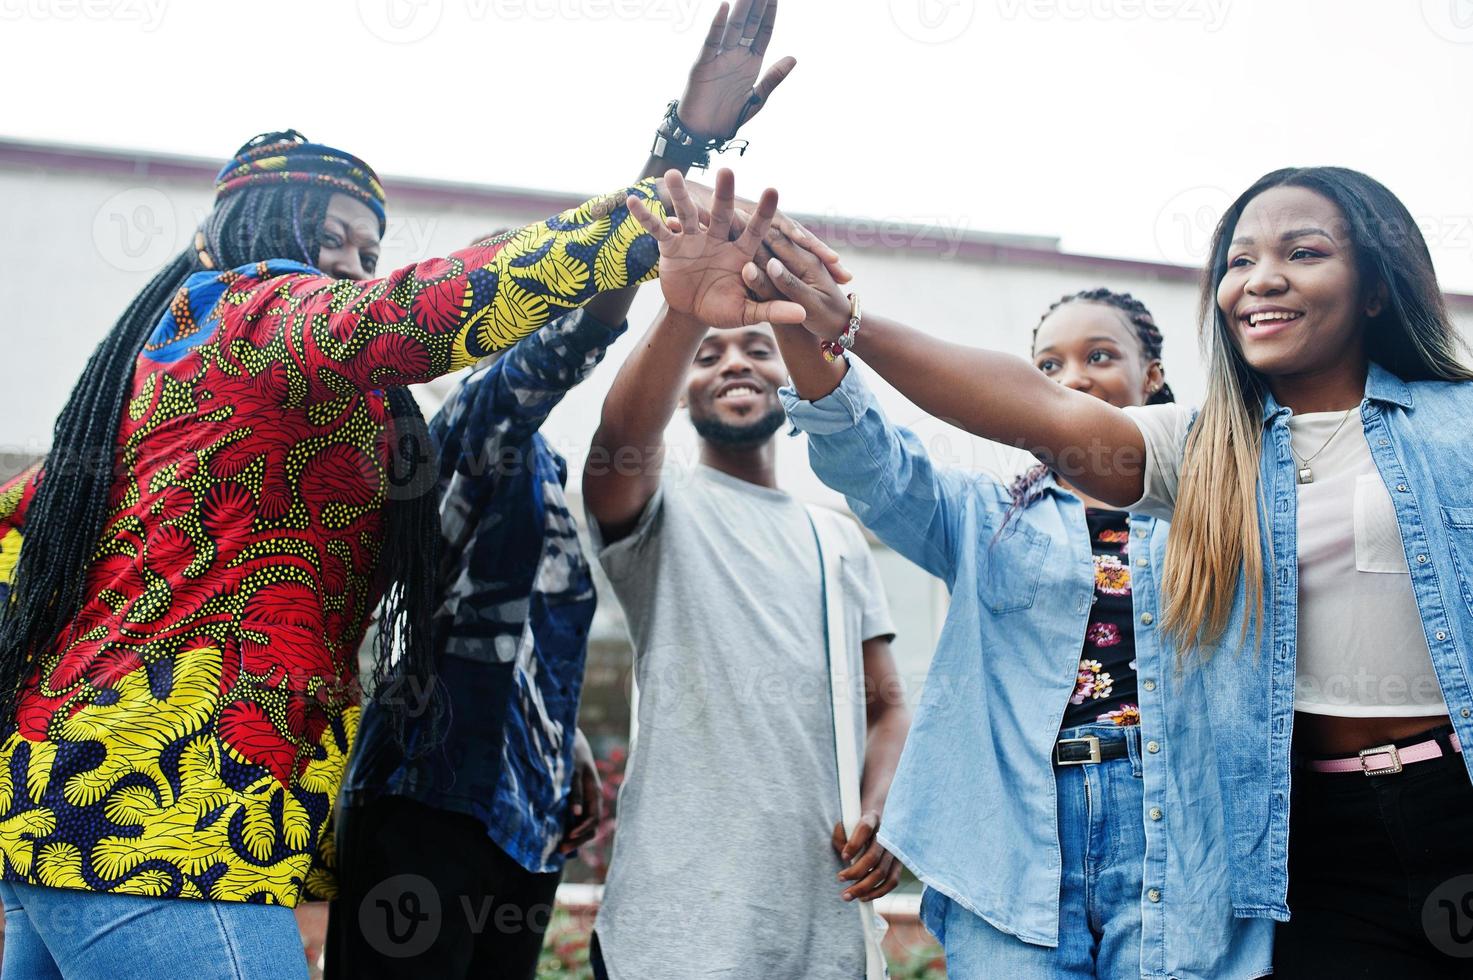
pixel 1102 837
pixel 52 933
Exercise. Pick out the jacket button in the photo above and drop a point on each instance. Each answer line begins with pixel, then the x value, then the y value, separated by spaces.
pixel 1140 532
pixel 1421 559
pixel 1441 635
pixel 1140 563
pixel 1382 442
pixel 1466 712
pixel 1154 894
pixel 1155 813
pixel 1149 684
pixel 1153 747
pixel 1401 488
pixel 1147 618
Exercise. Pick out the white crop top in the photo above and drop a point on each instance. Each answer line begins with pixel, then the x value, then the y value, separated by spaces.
pixel 1361 652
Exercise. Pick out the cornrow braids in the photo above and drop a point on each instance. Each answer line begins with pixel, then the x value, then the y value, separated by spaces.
pixel 1026 488
pixel 68 515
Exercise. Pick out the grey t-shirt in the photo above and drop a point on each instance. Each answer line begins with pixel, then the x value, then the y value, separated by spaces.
pixel 722 863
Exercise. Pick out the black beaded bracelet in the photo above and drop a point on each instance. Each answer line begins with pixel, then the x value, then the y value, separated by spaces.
pixel 679 145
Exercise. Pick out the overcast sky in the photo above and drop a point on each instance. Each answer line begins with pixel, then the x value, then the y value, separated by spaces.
pixel 1120 126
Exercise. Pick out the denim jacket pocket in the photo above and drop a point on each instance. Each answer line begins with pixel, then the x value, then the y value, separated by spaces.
pixel 1459 521
pixel 1011 563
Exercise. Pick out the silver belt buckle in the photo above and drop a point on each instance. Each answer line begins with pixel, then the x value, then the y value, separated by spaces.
pixel 1390 750
pixel 1092 741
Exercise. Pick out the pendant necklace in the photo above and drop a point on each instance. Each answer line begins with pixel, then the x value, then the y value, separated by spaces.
pixel 1306 475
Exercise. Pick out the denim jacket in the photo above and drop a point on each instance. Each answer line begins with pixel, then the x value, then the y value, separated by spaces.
pixel 1421 439
pixel 512 633
pixel 973 808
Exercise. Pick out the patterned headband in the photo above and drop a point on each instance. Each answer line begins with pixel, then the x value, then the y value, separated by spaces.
pixel 288 157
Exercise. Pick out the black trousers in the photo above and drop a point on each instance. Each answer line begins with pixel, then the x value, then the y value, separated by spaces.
pixel 424 892
pixel 1380 874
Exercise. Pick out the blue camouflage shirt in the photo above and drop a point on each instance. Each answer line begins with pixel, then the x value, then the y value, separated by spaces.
pixel 512 633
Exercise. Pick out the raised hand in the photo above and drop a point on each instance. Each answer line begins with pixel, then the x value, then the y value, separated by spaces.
pixel 700 267
pixel 793 270
pixel 723 90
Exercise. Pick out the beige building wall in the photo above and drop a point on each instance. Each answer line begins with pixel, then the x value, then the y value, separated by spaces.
pixel 85 229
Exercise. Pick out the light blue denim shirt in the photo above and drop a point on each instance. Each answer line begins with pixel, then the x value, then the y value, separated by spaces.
pixel 1421 439
pixel 973 808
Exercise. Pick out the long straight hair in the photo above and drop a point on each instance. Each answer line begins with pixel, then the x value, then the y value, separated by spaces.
pixel 1215 534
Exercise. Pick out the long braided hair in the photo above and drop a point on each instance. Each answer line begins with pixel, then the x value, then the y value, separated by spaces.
pixel 68 514
pixel 1029 485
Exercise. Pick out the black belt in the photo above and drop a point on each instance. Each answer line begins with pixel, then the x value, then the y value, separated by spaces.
pixel 1089 749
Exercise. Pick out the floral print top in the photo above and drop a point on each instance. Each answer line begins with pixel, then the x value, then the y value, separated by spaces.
pixel 1104 690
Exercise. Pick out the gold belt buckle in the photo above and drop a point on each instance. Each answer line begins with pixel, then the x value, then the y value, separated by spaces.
pixel 1390 750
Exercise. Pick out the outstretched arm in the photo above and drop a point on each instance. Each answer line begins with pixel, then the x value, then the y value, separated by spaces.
pixel 1092 444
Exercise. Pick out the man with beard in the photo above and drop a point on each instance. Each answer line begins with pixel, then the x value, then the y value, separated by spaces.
pixel 730 838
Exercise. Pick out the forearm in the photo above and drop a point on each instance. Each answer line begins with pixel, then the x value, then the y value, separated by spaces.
pixel 613 307
pixel 1004 398
pixel 812 376
pixel 885 743
pixel 623 469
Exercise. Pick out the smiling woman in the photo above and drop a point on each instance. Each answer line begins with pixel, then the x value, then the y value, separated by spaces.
pixel 1320 611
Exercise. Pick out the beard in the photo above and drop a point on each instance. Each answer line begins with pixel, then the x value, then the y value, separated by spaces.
pixel 749 435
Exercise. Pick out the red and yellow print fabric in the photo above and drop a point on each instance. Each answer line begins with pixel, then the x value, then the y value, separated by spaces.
pixel 188 735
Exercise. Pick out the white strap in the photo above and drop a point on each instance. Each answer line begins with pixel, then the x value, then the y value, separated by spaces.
pixel 843 691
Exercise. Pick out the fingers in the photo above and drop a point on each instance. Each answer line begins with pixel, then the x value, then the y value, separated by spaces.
pixel 771 79
pixel 759 284
pixel 723 205
pixel 777 312
pixel 685 207
pixel 864 833
pixel 756 11
pixel 736 25
pixel 712 45
pixel 757 227
pixel 792 287
pixel 881 881
pixel 764 29
pixel 803 263
pixel 838 838
pixel 648 221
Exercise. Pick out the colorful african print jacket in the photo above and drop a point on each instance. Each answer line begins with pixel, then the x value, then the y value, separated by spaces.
pixel 519 600
pixel 187 736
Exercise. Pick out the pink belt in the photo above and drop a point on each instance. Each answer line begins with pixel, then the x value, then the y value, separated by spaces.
pixel 1383 760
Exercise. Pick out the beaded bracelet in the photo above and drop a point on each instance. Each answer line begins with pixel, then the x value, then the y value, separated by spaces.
pixel 832 349
pixel 675 143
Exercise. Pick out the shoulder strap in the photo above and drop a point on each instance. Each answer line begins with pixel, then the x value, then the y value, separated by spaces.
pixel 844 688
